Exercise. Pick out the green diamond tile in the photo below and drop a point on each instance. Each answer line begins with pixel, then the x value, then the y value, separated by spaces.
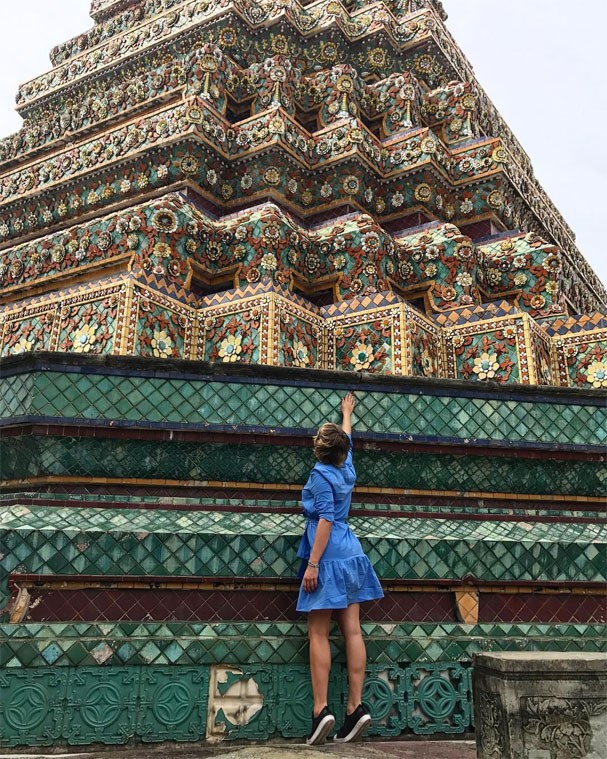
pixel 228 402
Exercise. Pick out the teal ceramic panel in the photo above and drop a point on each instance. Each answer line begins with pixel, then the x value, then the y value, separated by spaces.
pixel 157 644
pixel 191 463
pixel 384 697
pixel 173 704
pixel 136 543
pixel 437 413
pixel 101 706
pixel 438 698
pixel 31 706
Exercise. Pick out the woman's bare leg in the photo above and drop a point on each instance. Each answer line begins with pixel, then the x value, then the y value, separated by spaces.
pixel 319 622
pixel 349 623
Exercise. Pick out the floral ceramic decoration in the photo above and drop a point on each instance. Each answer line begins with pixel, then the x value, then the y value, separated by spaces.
pixel 491 356
pixel 587 363
pixel 338 155
pixel 364 347
pixel 161 332
pixel 88 328
pixel 233 337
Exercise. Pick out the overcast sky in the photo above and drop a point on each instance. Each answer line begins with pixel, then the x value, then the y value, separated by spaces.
pixel 540 61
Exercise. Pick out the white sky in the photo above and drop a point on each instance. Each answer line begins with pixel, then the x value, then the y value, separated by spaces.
pixel 540 61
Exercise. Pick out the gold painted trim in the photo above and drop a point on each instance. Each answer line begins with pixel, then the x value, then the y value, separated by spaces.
pixel 268 334
pixel 127 306
pixel 296 487
pixel 531 358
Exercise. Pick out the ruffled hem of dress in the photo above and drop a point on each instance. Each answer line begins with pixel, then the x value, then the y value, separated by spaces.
pixel 342 582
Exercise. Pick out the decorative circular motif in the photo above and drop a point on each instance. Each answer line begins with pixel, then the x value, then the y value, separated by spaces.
pixel 208 63
pixel 272 176
pixel 345 84
pixel 172 704
pixel 26 708
pixel 424 64
pixel 174 268
pixel 469 102
pixel 351 185
pixel 194 115
pixel 164 221
pixel 104 240
pixel 102 706
pixel 16 269
pixel 57 254
pixel 437 697
pixel 379 693
pixel 423 192
pixel 189 165
pixel 495 199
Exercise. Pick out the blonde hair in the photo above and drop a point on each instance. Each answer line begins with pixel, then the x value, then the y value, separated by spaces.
pixel 331 444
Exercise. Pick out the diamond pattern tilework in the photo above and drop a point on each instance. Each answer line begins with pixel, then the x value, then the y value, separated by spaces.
pixel 173 544
pixel 210 403
pixel 193 463
pixel 188 644
pixel 122 605
pixel 523 508
pixel 119 604
pixel 496 607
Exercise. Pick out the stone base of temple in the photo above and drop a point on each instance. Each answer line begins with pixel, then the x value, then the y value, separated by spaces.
pixel 541 705
pixel 149 522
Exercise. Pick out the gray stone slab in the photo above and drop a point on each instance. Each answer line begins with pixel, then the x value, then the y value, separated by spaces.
pixel 540 705
pixel 365 750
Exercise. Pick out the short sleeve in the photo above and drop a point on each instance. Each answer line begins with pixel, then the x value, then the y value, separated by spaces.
pixel 324 501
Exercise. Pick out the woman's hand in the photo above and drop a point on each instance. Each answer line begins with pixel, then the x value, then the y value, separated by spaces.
pixel 310 580
pixel 347 406
pixel 347 403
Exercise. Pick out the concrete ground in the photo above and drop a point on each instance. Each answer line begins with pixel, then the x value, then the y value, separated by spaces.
pixel 364 750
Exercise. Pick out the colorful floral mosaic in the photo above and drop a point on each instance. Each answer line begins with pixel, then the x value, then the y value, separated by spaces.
pixel 378 160
pixel 225 65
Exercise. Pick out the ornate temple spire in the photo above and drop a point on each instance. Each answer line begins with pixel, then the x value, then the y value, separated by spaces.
pixel 410 6
pixel 100 9
pixel 363 118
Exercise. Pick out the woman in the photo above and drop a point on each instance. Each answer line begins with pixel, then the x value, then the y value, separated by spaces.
pixel 338 577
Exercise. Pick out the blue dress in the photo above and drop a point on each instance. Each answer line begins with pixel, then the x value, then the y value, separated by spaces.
pixel 346 575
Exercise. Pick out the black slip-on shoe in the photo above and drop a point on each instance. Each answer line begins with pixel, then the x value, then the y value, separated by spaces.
pixel 321 727
pixel 354 725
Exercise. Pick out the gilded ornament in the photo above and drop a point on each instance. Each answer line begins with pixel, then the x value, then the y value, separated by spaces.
pixel 423 193
pixel 495 199
pixel 189 165
pixel 377 59
pixel 424 64
pixel 272 176
pixel 57 254
pixel 351 185
pixel 164 220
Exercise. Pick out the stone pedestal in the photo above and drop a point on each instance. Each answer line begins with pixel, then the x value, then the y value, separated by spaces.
pixel 540 705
